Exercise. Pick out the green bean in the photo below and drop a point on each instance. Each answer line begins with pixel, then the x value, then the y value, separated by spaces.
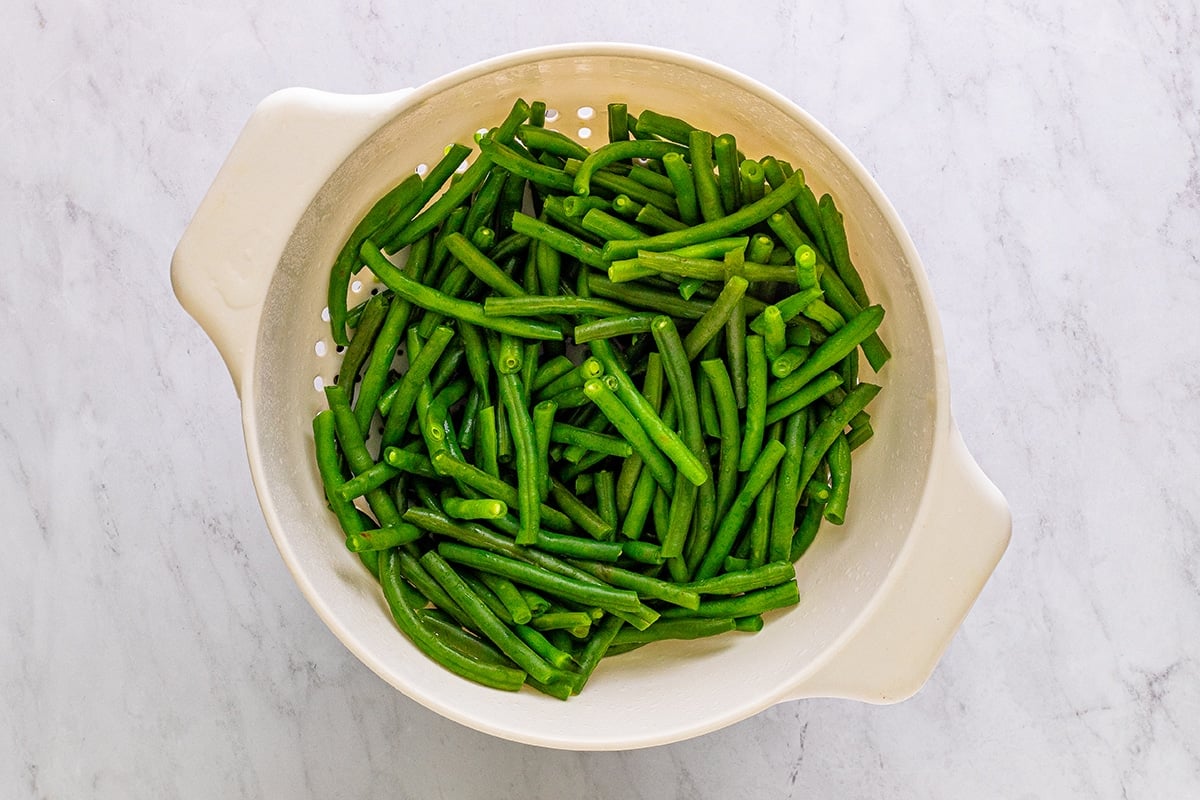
pixel 805 205
pixel 709 421
pixel 510 596
pixel 509 159
pixel 722 542
pixel 433 182
pixel 470 418
pixel 445 628
pixel 542 646
pixel 365 481
pixel 727 415
pixel 803 397
pixel 631 428
pixel 787 488
pixel 761 247
pixel 479 364
pixel 543 422
pixel 678 371
pixel 331 473
pixel 680 175
pixel 483 206
pixel 387 208
pixel 538 605
pixel 619 184
pixel 735 352
pixel 528 474
pixel 675 629
pixel 575 378
pixel 729 225
pixel 606 226
pixel 652 216
pixel 579 512
pixel 631 469
pixel 825 316
pixel 541 579
pixel 589 440
pixel 387 341
pixel 437 428
pixel 478 479
pixel 764 505
pixel 559 240
pixel 618 122
pixel 609 327
pixel 551 370
pixel 807 530
pixel 548 264
pixel 833 424
pixel 790 359
pixel 474 508
pixel 588 459
pixel 487 444
pixel 447 368
pixel 858 436
pixel 756 402
pixel 624 206
pixel 838 458
pixel 578 623
pixel 405 614
pixel 536 137
pixel 355 449
pixel 619 151
pixel 644 585
pixel 605 487
pixel 652 123
pixel 476 535
pixel 660 302
pixel 835 233
pixel 540 305
pixel 577 547
pixel 748 604
pixel 639 507
pixel 433 300
pixel 483 617
pixel 774 338
pixel 709 325
pixel 725 155
pixel 708 193
pixel 488 597
pixel 510 356
pixel 364 337
pixel 406 461
pixel 482 267
pixel 817 490
pixel 483 238
pixel 411 570
pixel 770 574
pixel 751 178
pixel 576 206
pixel 829 353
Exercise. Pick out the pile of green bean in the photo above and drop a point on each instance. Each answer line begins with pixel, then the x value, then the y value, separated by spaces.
pixel 603 398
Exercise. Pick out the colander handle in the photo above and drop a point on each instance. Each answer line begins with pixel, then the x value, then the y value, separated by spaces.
pixel 224 262
pixel 961 532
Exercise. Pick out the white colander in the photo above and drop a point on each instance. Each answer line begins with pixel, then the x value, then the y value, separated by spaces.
pixel 881 596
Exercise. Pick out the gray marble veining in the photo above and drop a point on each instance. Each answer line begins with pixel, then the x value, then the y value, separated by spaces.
pixel 1046 160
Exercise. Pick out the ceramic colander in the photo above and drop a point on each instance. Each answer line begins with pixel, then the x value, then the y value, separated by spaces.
pixel 881 595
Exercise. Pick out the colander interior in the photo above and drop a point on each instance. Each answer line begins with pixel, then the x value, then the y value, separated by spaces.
pixel 663 692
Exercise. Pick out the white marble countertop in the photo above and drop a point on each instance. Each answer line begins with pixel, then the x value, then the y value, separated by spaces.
pixel 1046 160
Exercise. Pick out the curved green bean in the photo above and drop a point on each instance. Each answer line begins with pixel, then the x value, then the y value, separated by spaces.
pixel 756 478
pixel 403 604
pixel 433 300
